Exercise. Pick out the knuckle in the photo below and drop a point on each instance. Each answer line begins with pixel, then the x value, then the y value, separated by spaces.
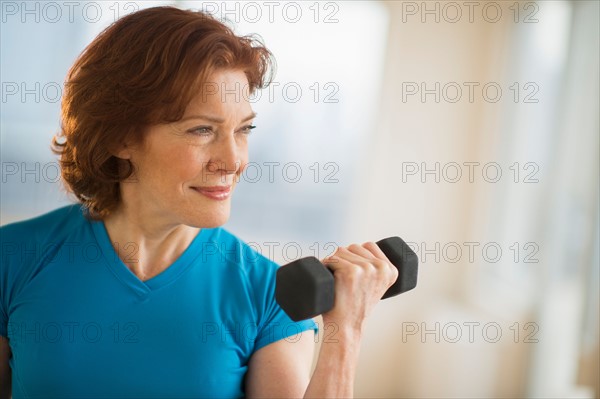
pixel 369 245
pixel 353 247
pixel 338 253
pixel 341 251
pixel 351 274
pixel 367 266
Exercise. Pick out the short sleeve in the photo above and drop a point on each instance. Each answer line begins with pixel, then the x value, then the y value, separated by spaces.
pixel 268 320
pixel 280 326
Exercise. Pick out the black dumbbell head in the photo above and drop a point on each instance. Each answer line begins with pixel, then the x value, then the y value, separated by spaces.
pixel 304 288
pixel 405 260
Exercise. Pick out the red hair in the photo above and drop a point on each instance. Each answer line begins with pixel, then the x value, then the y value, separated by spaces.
pixel 142 70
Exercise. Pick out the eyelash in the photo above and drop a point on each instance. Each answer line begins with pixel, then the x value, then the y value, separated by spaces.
pixel 245 130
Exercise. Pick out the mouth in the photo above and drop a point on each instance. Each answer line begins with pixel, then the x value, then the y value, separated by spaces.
pixel 218 193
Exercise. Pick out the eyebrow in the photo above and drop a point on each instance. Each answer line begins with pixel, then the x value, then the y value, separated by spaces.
pixel 215 119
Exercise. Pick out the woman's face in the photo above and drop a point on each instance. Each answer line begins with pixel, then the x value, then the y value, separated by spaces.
pixel 186 171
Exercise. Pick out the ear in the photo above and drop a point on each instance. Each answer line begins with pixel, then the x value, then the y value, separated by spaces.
pixel 122 150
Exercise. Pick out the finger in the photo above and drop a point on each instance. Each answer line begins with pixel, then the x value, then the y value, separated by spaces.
pixel 376 251
pixel 377 259
pixel 374 248
pixel 361 258
pixel 335 263
pixel 361 251
pixel 345 253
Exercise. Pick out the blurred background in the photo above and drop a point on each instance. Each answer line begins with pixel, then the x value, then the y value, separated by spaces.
pixel 469 129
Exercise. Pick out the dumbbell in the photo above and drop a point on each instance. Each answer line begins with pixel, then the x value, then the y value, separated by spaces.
pixel 305 287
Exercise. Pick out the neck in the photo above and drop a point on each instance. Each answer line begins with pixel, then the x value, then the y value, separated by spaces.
pixel 147 242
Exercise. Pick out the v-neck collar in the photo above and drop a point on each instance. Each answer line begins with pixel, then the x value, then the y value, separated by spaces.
pixel 127 277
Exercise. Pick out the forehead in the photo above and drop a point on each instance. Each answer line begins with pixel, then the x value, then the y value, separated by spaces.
pixel 224 91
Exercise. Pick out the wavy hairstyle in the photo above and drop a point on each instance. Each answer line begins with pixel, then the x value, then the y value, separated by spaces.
pixel 144 69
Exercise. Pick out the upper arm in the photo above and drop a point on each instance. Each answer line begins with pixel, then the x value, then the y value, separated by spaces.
pixel 281 369
pixel 5 373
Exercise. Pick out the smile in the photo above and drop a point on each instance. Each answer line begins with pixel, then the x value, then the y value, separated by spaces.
pixel 218 193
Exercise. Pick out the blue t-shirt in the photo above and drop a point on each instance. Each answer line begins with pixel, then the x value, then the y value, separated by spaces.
pixel 80 324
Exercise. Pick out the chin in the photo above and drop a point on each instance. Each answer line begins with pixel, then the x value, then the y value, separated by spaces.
pixel 209 222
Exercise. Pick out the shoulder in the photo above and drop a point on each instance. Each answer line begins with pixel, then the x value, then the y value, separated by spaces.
pixel 48 226
pixel 26 245
pixel 233 249
pixel 241 258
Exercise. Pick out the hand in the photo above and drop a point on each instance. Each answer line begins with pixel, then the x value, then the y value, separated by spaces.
pixel 362 275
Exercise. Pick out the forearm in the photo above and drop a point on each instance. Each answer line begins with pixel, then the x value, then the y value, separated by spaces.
pixel 336 366
pixel 362 275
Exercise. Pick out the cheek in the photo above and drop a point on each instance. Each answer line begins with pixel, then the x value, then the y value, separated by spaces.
pixel 243 160
pixel 189 162
pixel 175 164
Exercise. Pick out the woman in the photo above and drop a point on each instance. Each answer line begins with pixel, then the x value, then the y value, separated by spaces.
pixel 135 291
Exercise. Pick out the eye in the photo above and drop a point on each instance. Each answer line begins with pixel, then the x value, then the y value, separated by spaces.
pixel 201 130
pixel 247 129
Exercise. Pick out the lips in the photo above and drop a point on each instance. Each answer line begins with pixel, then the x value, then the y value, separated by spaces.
pixel 213 189
pixel 218 193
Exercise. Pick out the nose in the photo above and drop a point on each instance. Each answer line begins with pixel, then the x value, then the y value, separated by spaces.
pixel 227 156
